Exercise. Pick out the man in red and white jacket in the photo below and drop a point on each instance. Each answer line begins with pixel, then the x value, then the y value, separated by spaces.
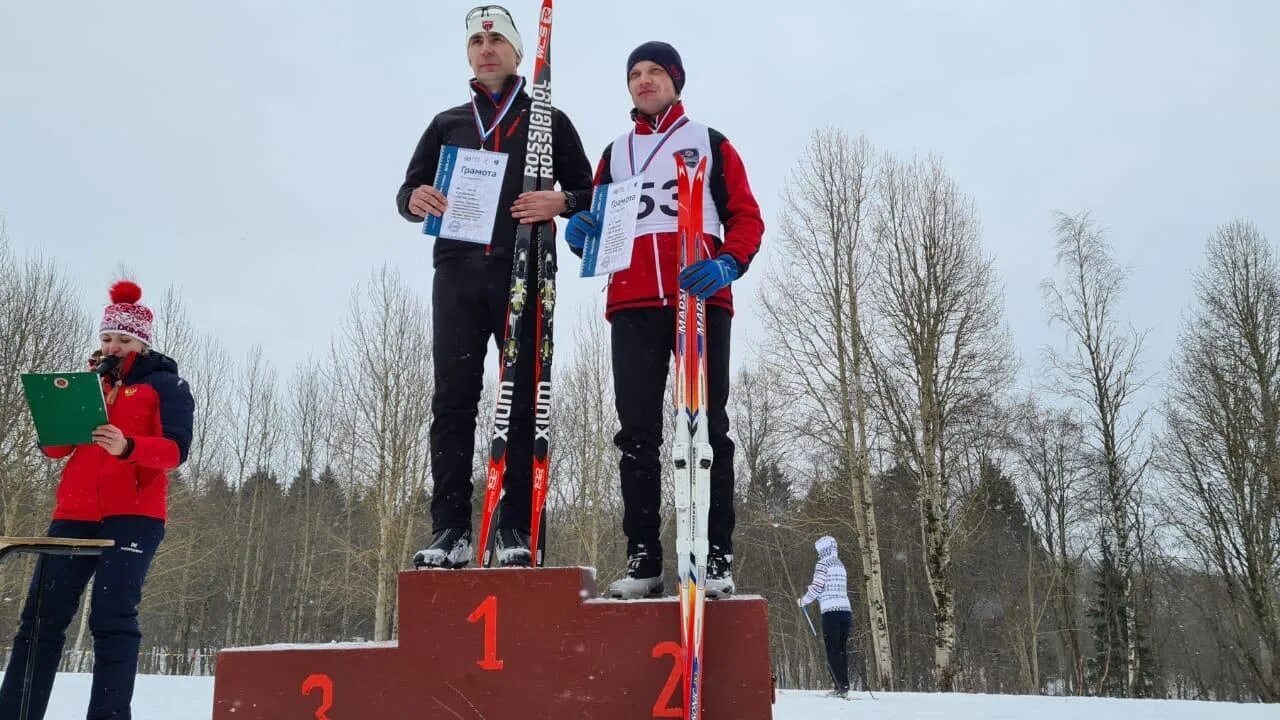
pixel 642 299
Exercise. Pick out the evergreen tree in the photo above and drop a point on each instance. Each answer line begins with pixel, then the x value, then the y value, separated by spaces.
pixel 1108 669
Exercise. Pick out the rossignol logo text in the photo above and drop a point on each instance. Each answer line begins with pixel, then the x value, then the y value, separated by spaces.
pixel 537 159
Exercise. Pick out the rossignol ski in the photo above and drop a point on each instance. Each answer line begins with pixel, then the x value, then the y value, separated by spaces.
pixel 538 175
pixel 691 449
pixel 544 335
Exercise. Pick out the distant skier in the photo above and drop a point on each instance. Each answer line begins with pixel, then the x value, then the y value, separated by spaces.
pixel 641 307
pixel 830 587
pixel 472 284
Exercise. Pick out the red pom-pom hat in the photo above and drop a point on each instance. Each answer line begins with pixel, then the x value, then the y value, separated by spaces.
pixel 125 315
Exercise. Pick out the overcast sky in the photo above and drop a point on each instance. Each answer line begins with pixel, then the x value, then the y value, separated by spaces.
pixel 249 152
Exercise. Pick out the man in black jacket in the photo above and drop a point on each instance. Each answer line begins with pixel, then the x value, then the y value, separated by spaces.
pixel 472 283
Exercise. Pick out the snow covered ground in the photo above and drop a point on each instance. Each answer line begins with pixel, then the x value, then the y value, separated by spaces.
pixel 188 698
pixel 802 705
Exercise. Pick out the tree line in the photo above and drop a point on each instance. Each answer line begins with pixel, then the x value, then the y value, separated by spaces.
pixel 1067 537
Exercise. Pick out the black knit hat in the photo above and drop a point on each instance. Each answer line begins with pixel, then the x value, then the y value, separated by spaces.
pixel 663 55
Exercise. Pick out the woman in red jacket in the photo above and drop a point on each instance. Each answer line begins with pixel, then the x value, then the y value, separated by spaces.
pixel 115 488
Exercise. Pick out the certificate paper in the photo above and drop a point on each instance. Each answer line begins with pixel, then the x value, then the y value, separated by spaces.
pixel 615 207
pixel 472 181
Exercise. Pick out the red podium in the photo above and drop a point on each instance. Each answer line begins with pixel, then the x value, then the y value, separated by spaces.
pixel 509 644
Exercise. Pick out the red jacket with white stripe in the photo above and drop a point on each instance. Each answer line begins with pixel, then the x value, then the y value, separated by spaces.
pixel 651 279
pixel 154 409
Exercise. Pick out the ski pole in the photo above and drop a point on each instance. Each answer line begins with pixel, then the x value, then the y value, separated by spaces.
pixel 812 629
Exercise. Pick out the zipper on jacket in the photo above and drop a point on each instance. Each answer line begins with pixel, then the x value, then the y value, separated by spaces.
pixel 514 124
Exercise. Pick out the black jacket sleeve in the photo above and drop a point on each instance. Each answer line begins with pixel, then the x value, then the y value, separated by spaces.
pixel 422 169
pixel 177 412
pixel 572 168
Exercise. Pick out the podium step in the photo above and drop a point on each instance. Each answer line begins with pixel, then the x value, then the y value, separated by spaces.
pixel 509 644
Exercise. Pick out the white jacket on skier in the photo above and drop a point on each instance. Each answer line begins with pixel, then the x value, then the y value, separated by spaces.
pixel 830 586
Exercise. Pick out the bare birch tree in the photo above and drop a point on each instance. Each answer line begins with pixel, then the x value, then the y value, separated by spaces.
pixel 1100 371
pixel 585 496
pixel 45 330
pixel 208 372
pixel 815 318
pixel 172 332
pixel 945 355
pixel 1223 441
pixel 346 453
pixel 309 433
pixel 181 559
pixel 761 427
pixel 255 419
pixel 386 342
pixel 1050 449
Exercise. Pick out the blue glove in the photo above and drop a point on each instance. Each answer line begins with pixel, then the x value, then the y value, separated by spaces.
pixel 707 277
pixel 581 228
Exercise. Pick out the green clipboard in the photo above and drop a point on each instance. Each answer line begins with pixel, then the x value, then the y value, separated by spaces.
pixel 66 407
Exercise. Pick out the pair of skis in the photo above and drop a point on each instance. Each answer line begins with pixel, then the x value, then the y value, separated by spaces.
pixel 691 447
pixel 691 450
pixel 538 175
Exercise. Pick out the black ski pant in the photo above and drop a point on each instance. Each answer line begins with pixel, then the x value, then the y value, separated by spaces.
pixel 643 344
pixel 836 626
pixel 118 575
pixel 469 310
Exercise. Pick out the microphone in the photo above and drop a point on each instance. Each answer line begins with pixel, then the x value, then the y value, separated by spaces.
pixel 106 365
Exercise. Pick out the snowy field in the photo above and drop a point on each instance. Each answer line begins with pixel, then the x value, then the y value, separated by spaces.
pixel 191 698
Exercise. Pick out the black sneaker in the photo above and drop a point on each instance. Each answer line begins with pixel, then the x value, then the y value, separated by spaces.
pixel 643 578
pixel 512 547
pixel 450 548
pixel 719 573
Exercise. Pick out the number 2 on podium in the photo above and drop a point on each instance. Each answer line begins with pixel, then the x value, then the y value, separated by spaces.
pixel 489 611
pixel 323 683
pixel 662 707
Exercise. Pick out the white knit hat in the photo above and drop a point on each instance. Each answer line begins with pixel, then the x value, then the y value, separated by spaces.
pixel 492 18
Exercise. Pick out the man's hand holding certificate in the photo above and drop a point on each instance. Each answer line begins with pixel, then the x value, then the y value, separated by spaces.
pixel 472 182
pixel 615 207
